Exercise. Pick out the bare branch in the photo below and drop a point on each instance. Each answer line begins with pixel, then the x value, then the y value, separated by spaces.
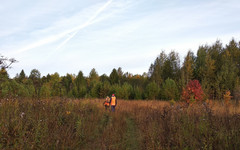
pixel 5 63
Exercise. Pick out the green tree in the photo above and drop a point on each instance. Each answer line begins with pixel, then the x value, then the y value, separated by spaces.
pixel 188 67
pixel 156 69
pixel 170 90
pixel 55 85
pixel 96 90
pixel 209 77
pixel 138 93
pixel 126 91
pixel 151 91
pixel 120 75
pixel 105 89
pixel 80 85
pixel 67 82
pixel 201 62
pixel 35 76
pixel 45 91
pixel 114 77
pixel 116 89
pixel 171 67
pixel 227 75
pixel 22 77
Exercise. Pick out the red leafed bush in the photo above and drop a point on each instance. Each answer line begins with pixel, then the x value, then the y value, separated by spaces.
pixel 193 91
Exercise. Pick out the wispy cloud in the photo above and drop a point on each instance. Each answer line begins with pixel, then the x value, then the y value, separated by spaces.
pixel 72 32
pixel 89 22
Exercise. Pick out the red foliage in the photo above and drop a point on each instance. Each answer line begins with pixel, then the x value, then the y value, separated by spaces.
pixel 193 91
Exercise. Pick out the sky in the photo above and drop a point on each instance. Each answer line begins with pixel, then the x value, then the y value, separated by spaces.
pixel 68 36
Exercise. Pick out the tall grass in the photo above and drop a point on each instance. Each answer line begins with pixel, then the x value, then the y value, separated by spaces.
pixel 85 124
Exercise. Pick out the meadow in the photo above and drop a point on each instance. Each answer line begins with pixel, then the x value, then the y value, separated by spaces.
pixel 85 124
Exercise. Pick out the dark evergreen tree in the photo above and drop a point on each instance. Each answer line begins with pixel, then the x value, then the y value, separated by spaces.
pixel 114 77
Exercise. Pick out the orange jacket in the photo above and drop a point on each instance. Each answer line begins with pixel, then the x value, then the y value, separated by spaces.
pixel 113 101
pixel 107 102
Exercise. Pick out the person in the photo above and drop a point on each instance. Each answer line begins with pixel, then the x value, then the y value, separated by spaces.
pixel 113 102
pixel 106 103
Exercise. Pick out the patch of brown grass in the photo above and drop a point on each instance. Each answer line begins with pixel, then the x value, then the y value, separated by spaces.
pixel 85 124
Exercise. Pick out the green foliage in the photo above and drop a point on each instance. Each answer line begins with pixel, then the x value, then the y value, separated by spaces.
pixel 151 91
pixel 80 86
pixel 138 93
pixel 105 89
pixel 188 67
pixel 96 88
pixel 13 89
pixel 45 91
pixel 116 89
pixel 215 67
pixel 114 77
pixel 67 82
pixel 170 90
pixel 126 91
pixel 156 69
pixel 3 75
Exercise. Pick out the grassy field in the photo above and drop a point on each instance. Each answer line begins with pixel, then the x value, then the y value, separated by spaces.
pixel 85 124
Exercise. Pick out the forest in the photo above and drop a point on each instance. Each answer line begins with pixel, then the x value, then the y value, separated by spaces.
pixel 216 67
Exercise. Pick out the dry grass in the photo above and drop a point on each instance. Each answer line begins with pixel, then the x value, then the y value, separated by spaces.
pixel 85 124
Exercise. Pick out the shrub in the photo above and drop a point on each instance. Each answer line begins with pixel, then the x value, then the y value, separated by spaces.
pixel 193 91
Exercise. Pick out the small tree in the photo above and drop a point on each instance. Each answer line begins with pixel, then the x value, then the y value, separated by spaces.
pixel 192 92
pixel 170 90
pixel 151 91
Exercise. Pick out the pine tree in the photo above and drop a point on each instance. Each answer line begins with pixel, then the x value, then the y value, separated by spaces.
pixel 188 67
pixel 114 77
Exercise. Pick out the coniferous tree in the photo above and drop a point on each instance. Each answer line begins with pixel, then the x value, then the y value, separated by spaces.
pixel 114 77
pixel 80 85
pixel 171 67
pixel 188 67
pixel 170 90
pixel 156 69
pixel 151 91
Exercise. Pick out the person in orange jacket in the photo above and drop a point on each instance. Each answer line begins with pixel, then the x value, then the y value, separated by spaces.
pixel 106 103
pixel 113 102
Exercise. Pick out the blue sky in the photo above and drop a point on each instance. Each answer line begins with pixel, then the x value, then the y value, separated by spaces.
pixel 67 36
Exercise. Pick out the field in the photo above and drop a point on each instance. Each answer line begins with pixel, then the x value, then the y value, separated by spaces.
pixel 85 124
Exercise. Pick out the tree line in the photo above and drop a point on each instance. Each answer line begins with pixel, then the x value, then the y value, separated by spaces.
pixel 216 67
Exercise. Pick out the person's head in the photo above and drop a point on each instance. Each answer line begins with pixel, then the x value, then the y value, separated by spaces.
pixel 113 95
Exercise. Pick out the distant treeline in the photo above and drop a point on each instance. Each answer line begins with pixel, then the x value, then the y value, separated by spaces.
pixel 216 67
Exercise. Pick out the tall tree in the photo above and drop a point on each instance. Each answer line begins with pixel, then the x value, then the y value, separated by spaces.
pixel 171 67
pixel 114 77
pixel 209 77
pixel 92 83
pixel 35 76
pixel 188 67
pixel 227 75
pixel 156 69
pixel 67 82
pixel 80 84
pixel 22 76
pixel 201 62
